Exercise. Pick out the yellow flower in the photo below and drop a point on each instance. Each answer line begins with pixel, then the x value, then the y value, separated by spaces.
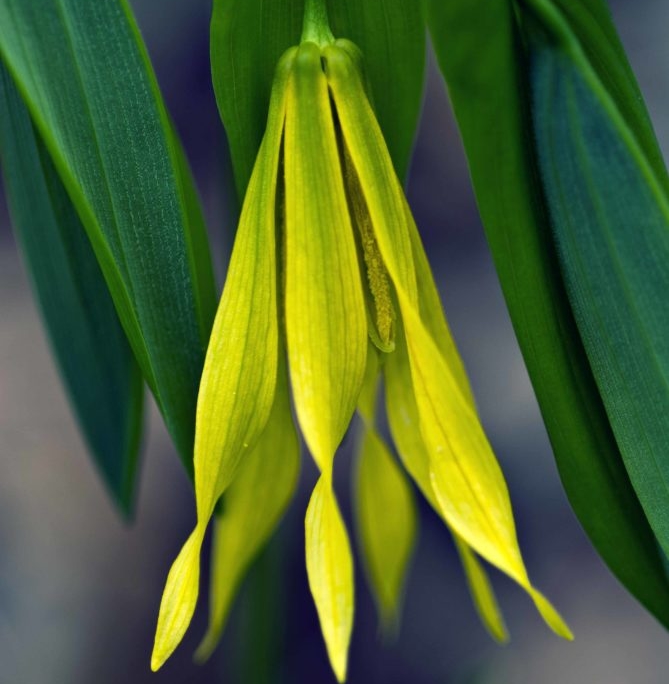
pixel 327 257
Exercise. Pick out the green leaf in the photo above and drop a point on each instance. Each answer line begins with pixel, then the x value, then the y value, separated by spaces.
pixel 480 55
pixel 253 507
pixel 247 39
pixel 610 215
pixel 85 77
pixel 591 24
pixel 97 366
pixel 249 36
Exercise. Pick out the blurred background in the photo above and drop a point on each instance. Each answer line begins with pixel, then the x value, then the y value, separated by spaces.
pixel 79 590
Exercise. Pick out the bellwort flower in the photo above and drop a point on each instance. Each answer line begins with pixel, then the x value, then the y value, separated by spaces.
pixel 328 285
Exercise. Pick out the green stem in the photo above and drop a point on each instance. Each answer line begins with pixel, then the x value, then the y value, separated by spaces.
pixel 316 28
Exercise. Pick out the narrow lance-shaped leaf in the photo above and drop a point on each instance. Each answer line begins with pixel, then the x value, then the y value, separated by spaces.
pixel 591 23
pixel 326 332
pixel 248 37
pixel 85 77
pixel 252 509
pixel 385 508
pixel 95 360
pixel 239 378
pixel 610 217
pixel 480 55
pixel 464 473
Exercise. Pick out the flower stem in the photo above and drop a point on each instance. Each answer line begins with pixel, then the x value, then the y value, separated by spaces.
pixel 315 27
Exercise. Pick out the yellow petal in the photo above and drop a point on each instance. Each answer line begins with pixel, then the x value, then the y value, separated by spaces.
pixel 364 142
pixel 326 331
pixel 431 311
pixel 465 476
pixel 405 428
pixel 326 325
pixel 253 506
pixel 330 571
pixel 179 598
pixel 386 517
pixel 238 381
pixel 482 592
pixel 239 377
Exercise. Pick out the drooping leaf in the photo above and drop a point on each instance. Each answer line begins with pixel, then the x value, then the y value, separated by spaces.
pixel 97 366
pixel 85 77
pixel 385 508
pixel 464 473
pixel 253 507
pixel 239 377
pixel 610 216
pixel 591 23
pixel 249 36
pixel 247 39
pixel 480 54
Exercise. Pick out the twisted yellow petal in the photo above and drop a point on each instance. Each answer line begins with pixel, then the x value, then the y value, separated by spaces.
pixel 385 509
pixel 239 377
pixel 254 504
pixel 465 476
pixel 326 331
pixel 405 428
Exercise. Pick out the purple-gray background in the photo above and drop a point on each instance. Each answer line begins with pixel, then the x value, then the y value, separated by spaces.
pixel 79 592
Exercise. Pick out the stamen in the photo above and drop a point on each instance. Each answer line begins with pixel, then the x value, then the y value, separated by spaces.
pixel 382 332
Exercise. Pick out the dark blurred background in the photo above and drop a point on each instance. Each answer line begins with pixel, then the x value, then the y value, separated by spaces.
pixel 79 591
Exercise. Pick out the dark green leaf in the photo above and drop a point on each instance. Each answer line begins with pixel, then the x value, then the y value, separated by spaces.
pixel 95 360
pixel 84 74
pixel 610 215
pixel 591 23
pixel 249 36
pixel 479 52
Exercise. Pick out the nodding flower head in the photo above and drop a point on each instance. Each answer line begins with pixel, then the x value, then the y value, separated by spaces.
pixel 328 287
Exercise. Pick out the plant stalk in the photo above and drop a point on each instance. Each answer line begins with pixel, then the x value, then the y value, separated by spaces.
pixel 315 26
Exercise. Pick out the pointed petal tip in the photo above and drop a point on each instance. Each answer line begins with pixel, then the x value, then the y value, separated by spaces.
pixel 551 617
pixel 339 667
pixel 206 648
pixel 179 598
pixel 157 661
pixel 330 572
pixel 499 633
